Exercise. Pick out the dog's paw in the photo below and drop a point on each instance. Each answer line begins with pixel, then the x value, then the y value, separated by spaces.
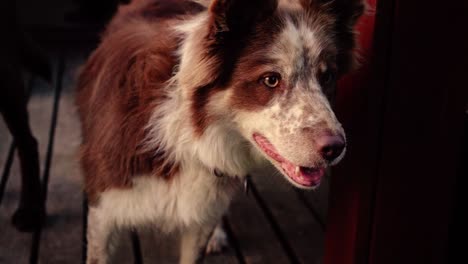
pixel 28 219
pixel 217 242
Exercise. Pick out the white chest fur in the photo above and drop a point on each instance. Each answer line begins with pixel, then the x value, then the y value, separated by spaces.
pixel 195 196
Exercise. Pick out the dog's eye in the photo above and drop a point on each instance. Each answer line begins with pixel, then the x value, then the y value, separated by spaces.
pixel 327 78
pixel 271 80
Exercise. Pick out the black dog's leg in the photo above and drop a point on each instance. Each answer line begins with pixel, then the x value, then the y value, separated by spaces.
pixel 13 106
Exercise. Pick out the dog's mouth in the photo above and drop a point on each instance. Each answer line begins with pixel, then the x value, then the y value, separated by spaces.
pixel 305 177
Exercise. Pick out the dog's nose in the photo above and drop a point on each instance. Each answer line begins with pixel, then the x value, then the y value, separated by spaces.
pixel 330 146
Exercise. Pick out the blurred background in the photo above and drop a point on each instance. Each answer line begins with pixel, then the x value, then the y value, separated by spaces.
pixel 396 198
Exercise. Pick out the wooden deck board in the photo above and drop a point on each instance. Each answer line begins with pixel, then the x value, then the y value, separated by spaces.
pixel 321 196
pixel 256 239
pixel 228 255
pixel 5 141
pixel 316 201
pixel 123 253
pixel 7 171
pixel 157 247
pixel 300 232
pixel 164 248
pixel 15 246
pixel 64 200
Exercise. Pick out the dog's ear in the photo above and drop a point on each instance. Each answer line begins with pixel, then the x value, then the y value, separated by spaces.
pixel 346 14
pixel 346 11
pixel 238 16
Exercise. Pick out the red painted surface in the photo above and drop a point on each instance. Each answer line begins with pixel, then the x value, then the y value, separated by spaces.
pixel 350 196
pixel 391 198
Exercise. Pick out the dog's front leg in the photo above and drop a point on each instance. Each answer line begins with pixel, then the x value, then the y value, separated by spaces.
pixel 99 233
pixel 218 240
pixel 193 243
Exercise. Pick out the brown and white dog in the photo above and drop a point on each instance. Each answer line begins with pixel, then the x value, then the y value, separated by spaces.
pixel 179 93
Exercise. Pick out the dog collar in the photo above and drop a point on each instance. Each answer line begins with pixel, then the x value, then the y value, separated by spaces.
pixel 246 183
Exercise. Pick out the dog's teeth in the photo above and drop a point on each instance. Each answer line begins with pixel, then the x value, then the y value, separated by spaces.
pixel 297 171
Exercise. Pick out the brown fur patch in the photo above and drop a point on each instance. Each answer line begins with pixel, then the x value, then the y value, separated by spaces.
pixel 237 53
pixel 118 90
pixel 200 116
pixel 250 93
pixel 171 9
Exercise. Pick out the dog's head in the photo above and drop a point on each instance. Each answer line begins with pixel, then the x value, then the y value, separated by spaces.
pixel 270 69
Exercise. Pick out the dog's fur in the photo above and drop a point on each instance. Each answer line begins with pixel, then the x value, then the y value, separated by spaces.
pixel 174 107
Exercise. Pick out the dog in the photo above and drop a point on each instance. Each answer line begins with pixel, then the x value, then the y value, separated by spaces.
pixel 181 100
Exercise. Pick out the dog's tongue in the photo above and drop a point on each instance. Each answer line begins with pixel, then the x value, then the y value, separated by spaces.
pixel 305 176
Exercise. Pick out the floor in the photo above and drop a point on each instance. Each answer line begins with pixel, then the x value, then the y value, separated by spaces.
pixel 273 223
